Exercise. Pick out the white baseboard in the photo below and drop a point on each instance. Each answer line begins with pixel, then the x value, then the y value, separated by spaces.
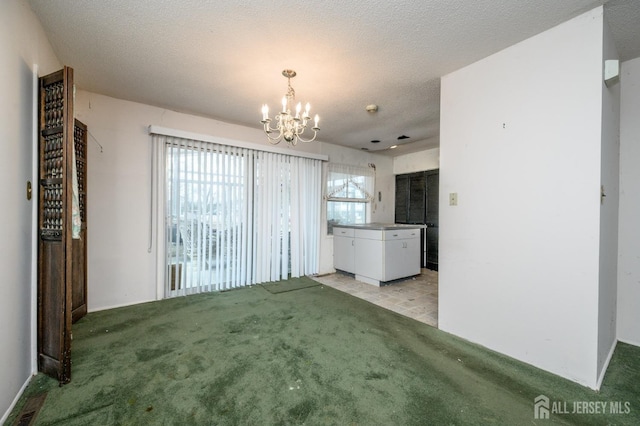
pixel 605 366
pixel 629 342
pixel 104 308
pixel 15 400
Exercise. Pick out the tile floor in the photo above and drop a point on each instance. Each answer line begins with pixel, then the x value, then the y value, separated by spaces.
pixel 415 297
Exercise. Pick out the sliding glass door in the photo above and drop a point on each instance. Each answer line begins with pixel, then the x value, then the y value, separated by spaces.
pixel 236 217
pixel 206 215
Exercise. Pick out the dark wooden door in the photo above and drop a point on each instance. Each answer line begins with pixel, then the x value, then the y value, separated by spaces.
pixel 417 203
pixel 79 245
pixel 402 198
pixel 55 248
pixel 417 198
pixel 410 198
pixel 432 218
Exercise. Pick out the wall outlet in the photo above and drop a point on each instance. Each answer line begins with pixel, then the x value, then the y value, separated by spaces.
pixel 453 198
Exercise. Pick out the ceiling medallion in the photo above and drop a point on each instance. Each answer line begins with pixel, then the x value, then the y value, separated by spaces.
pixel 289 127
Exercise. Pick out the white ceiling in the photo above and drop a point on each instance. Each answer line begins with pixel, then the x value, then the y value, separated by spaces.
pixel 224 59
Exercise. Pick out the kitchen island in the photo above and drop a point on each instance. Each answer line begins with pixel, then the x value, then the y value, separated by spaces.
pixel 377 253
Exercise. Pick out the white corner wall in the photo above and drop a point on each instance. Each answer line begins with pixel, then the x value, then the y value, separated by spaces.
pixel 628 325
pixel 609 177
pixel 520 145
pixel 121 270
pixel 23 50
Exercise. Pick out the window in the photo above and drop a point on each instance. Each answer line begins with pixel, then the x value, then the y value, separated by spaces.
pixel 348 193
pixel 235 216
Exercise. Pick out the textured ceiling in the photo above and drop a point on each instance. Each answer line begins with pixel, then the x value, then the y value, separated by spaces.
pixel 224 59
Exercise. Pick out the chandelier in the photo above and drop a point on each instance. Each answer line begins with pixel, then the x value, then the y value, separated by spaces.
pixel 289 127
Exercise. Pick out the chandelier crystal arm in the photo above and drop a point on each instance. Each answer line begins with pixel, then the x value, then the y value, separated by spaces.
pixel 315 133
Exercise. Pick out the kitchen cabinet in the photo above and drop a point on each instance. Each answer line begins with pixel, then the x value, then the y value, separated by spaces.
pixel 381 253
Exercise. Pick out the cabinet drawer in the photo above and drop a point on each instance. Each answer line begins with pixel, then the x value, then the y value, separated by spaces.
pixel 401 234
pixel 369 234
pixel 343 232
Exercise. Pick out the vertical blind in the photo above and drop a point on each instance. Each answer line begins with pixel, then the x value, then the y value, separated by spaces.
pixel 234 216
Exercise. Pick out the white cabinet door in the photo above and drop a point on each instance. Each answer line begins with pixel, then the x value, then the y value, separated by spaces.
pixel 343 253
pixel 402 258
pixel 369 255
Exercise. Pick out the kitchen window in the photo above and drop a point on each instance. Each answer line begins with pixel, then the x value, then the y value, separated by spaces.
pixel 349 192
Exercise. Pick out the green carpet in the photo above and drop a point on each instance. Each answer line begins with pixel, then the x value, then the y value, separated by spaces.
pixel 289 285
pixel 314 356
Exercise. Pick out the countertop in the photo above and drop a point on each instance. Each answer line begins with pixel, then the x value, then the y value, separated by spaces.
pixel 380 226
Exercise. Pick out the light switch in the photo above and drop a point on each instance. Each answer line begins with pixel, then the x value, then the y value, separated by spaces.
pixel 453 198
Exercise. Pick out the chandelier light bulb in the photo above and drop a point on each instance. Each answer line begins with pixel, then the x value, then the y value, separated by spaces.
pixel 288 126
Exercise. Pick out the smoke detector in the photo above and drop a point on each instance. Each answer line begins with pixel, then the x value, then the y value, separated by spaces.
pixel 371 108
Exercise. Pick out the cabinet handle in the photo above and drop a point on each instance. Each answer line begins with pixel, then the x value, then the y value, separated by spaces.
pixel 353 242
pixel 395 235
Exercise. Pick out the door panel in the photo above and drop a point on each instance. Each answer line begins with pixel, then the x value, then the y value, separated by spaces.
pixel 402 198
pixel 54 224
pixel 79 290
pixel 432 248
pixel 51 338
pixel 417 198
pixel 433 194
pixel 79 281
pixel 432 219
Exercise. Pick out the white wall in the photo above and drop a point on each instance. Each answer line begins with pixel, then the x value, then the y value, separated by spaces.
pixel 428 159
pixel 628 325
pixel 23 48
pixel 609 172
pixel 121 271
pixel 520 144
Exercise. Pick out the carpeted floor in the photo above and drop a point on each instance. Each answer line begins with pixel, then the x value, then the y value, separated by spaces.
pixel 291 284
pixel 312 356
